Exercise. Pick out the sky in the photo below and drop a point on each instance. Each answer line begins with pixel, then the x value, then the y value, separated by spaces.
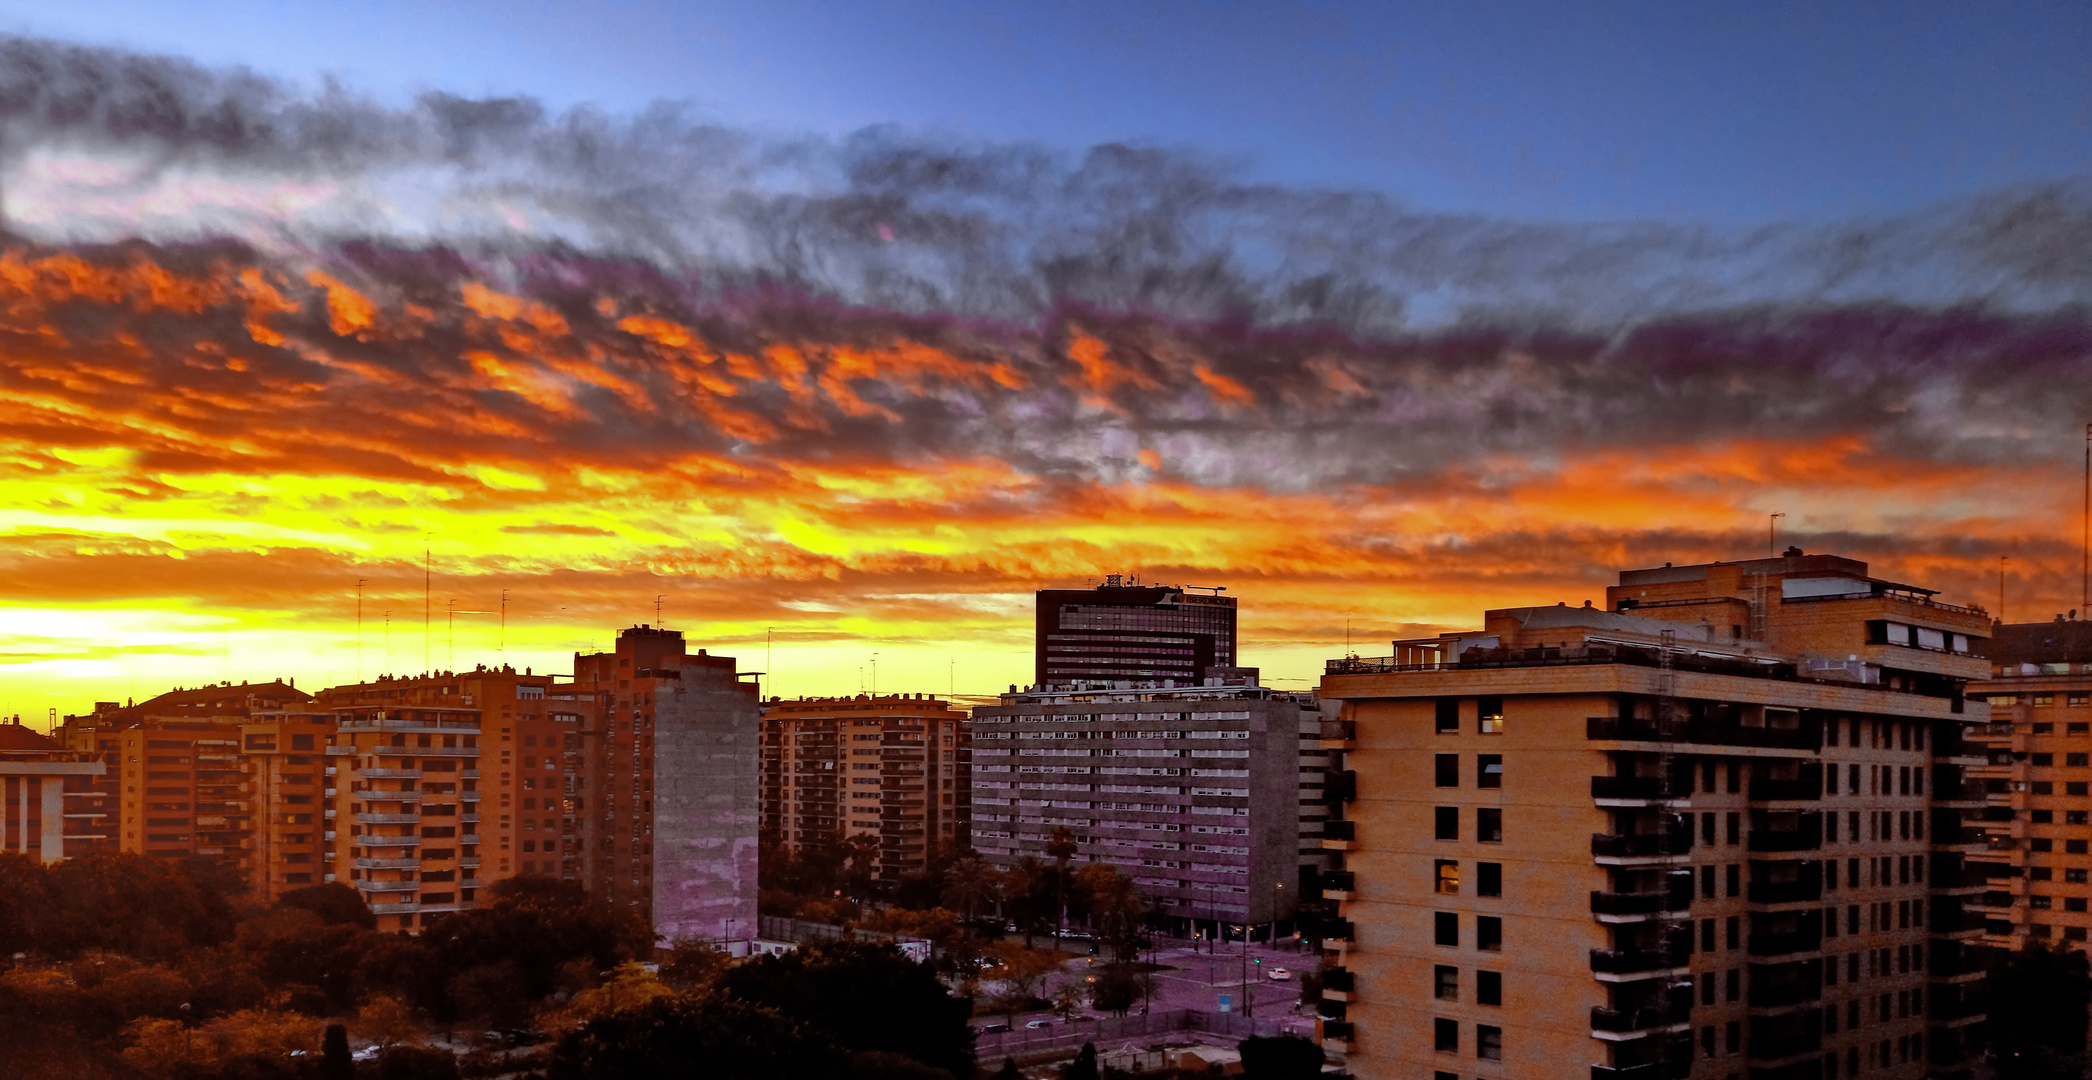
pixel 840 329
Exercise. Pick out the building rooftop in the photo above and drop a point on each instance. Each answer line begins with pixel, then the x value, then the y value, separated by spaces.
pixel 17 739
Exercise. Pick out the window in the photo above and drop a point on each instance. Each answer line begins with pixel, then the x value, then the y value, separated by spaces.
pixel 1448 770
pixel 1489 825
pixel 2044 760
pixel 1445 928
pixel 2074 787
pixel 1489 770
pixel 2040 873
pixel 1735 879
pixel 2073 903
pixel 2043 817
pixel 1448 716
pixel 1735 828
pixel 1490 714
pixel 2074 817
pixel 2075 761
pixel 1448 875
pixel 1448 822
pixel 1489 933
pixel 1445 982
pixel 1489 985
pixel 1489 879
pixel 2074 876
pixel 2074 847
pixel 1445 1036
pixel 1489 1042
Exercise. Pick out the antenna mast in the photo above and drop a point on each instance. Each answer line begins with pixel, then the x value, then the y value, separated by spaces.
pixel 359 629
pixel 504 622
pixel 657 610
pixel 2085 602
pixel 426 566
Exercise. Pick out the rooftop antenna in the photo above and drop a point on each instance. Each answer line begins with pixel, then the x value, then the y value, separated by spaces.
pixel 388 637
pixel 450 635
pixel 1772 535
pixel 2002 560
pixel 504 622
pixel 427 563
pixel 769 647
pixel 657 610
pixel 359 629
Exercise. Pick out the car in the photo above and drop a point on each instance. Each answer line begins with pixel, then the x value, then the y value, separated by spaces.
pixel 994 1028
pixel 1038 1025
pixel 1279 974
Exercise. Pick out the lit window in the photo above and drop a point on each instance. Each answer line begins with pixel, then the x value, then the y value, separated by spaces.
pixel 1448 876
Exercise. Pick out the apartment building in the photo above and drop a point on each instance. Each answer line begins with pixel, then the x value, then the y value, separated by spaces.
pixel 670 792
pixel 1193 791
pixel 895 768
pixel 286 780
pixel 1711 830
pixel 170 786
pixel 435 785
pixel 2036 784
pixel 41 780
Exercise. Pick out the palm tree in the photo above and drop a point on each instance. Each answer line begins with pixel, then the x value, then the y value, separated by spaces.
pixel 1116 904
pixel 1060 843
pixel 971 882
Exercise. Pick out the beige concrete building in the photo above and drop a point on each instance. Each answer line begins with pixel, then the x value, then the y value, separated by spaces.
pixel 284 790
pixel 2036 784
pixel 1712 830
pixel 892 767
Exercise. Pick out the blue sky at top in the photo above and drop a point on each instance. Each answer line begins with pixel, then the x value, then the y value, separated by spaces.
pixel 1733 114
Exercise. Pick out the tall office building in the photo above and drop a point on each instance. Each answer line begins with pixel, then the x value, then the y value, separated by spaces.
pixel 1120 632
pixel 894 768
pixel 1193 791
pixel 1715 831
pixel 2036 784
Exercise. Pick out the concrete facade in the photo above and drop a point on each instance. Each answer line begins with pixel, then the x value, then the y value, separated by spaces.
pixel 1194 792
pixel 1589 840
pixel 895 768
pixel 707 762
pixel 39 778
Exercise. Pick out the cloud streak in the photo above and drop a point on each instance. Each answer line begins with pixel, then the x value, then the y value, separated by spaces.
pixel 256 344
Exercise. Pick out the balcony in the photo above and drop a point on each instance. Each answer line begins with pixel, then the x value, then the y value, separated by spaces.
pixel 1642 903
pixel 394 909
pixel 1340 786
pixel 1337 930
pixel 387 886
pixel 1809 939
pixel 468 796
pixel 1804 789
pixel 1340 980
pixel 1634 788
pixel 469 838
pixel 389 774
pixel 1337 829
pixel 1638 961
pixel 1643 1018
pixel 1805 888
pixel 468 774
pixel 1649 845
pixel 388 841
pixel 1340 735
pixel 1339 880
pixel 365 862
pixel 1808 837
pixel 1809 736
pixel 387 819
pixel 1336 1031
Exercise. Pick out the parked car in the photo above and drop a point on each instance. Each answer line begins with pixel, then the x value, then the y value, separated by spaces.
pixel 1279 974
pixel 994 1028
pixel 1038 1025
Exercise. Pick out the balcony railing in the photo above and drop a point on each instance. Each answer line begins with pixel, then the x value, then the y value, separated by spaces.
pixel 1809 736
pixel 1677 898
pixel 1807 838
pixel 1792 941
pixel 1338 880
pixel 387 819
pixel 1339 979
pixel 1787 892
pixel 1636 961
pixel 1337 930
pixel 1612 845
pixel 1771 790
pixel 1634 787
pixel 1336 1030
pixel 1644 1018
pixel 1340 830
pixel 388 886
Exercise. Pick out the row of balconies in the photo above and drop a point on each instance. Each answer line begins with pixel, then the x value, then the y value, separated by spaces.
pixel 1671 1013
pixel 1809 736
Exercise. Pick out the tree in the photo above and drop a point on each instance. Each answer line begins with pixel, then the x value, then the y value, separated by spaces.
pixel 860 865
pixel 1116 907
pixel 1283 1057
pixel 864 997
pixel 1084 1067
pixel 692 964
pixel 628 987
pixel 1021 967
pixel 1008 1070
pixel 2037 1011
pixel 1060 846
pixel 417 1063
pixel 971 884
pixel 334 903
pixel 335 1062
pixel 663 1038
pixel 387 1021
pixel 1067 1000
pixel 1116 990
